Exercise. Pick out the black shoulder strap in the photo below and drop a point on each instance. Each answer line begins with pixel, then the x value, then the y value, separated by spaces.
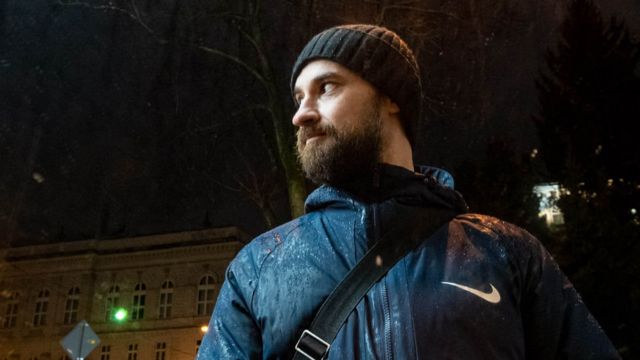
pixel 314 343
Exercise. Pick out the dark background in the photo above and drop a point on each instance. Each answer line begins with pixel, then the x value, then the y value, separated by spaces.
pixel 122 118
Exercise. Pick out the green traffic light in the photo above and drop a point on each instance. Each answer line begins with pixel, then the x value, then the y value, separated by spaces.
pixel 120 314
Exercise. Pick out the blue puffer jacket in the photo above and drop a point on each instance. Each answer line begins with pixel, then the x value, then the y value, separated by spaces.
pixel 478 289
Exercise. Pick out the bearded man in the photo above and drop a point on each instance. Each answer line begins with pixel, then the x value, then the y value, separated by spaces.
pixel 476 288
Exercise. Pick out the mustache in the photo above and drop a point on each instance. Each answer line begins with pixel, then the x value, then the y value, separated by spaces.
pixel 306 132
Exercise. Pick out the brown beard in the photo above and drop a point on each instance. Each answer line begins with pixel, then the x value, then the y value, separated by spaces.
pixel 342 156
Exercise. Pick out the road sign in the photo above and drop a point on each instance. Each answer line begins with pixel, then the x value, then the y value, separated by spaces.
pixel 80 341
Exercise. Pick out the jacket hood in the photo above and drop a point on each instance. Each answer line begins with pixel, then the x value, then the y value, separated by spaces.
pixel 428 186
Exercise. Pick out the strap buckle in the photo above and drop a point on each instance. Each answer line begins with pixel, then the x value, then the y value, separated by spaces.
pixel 312 346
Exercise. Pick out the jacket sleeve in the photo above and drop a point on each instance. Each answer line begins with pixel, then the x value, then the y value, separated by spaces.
pixel 557 323
pixel 232 333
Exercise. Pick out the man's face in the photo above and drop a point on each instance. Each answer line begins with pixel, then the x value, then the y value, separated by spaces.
pixel 338 122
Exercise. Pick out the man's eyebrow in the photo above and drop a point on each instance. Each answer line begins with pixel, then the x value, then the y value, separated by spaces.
pixel 317 79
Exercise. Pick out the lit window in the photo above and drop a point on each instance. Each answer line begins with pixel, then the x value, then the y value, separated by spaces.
pixel 161 351
pixel 11 312
pixel 132 353
pixel 205 295
pixel 139 297
pixel 40 313
pixel 105 352
pixel 71 306
pixel 166 300
pixel 111 302
pixel 548 195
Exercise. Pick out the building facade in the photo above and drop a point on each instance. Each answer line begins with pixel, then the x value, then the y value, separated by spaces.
pixel 147 298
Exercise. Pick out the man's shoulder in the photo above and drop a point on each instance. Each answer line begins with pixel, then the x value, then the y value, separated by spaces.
pixel 493 225
pixel 498 232
pixel 271 239
pixel 499 240
pixel 256 251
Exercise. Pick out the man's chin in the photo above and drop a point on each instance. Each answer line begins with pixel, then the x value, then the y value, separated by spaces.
pixel 315 149
pixel 329 160
pixel 322 168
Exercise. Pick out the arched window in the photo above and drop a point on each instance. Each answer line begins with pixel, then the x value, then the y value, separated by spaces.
pixel 40 312
pixel 166 300
pixel 11 312
pixel 71 306
pixel 111 302
pixel 139 299
pixel 205 295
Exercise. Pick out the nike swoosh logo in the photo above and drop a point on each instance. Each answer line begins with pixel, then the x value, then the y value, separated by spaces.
pixel 492 297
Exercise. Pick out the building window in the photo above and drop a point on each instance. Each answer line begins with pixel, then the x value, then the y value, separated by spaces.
pixel 132 353
pixel 71 306
pixel 111 303
pixel 205 295
pixel 161 351
pixel 548 195
pixel 166 300
pixel 139 297
pixel 40 313
pixel 105 352
pixel 11 312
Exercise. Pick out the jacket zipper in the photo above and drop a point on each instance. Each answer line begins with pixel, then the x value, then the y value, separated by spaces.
pixel 383 288
pixel 387 321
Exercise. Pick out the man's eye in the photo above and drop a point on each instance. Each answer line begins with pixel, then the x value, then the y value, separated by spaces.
pixel 327 87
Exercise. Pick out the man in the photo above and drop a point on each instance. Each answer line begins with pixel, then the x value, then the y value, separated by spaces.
pixel 479 288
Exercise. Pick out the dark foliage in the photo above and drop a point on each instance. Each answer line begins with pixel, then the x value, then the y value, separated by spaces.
pixel 589 100
pixel 502 186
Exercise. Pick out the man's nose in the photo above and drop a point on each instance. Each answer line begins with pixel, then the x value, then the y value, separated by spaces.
pixel 307 114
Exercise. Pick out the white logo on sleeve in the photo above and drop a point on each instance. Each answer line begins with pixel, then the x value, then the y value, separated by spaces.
pixel 492 297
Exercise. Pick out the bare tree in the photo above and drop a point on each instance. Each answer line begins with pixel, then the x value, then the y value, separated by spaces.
pixel 245 18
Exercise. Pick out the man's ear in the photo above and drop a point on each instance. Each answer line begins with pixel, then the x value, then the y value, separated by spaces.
pixel 389 106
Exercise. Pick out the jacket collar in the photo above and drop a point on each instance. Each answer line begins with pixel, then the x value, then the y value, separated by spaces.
pixel 428 186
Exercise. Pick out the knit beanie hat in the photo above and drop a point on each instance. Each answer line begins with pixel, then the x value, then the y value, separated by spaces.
pixel 379 56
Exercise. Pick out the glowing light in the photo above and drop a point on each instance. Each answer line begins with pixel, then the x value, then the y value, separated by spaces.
pixel 38 177
pixel 120 315
pixel 204 328
pixel 634 211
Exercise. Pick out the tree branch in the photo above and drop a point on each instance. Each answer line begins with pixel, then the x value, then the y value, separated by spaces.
pixel 251 108
pixel 135 15
pixel 236 60
pixel 407 5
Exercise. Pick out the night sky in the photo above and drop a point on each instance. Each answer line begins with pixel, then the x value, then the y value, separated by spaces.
pixel 113 126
